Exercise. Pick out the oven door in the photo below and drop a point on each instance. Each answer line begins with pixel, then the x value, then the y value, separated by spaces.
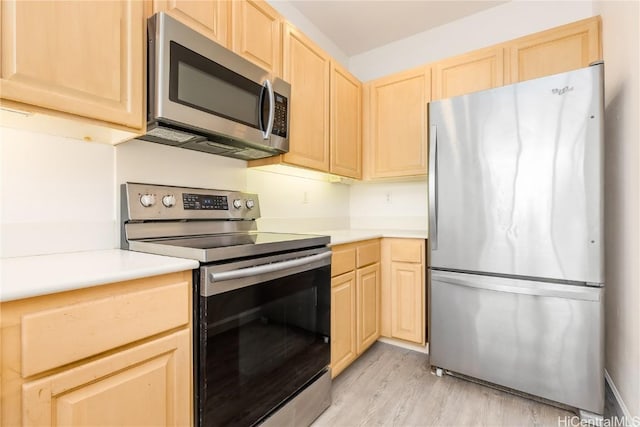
pixel 263 334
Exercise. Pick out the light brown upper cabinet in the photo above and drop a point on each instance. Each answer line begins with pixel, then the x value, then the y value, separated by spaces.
pixel 560 49
pixel 325 130
pixel 471 72
pixel 211 17
pixel 346 123
pixel 257 34
pixel 57 56
pixel 307 68
pixel 396 124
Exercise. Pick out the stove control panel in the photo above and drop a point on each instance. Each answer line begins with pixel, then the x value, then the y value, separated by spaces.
pixel 192 201
pixel 142 202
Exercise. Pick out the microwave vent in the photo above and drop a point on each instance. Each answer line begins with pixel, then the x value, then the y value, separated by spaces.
pixel 171 135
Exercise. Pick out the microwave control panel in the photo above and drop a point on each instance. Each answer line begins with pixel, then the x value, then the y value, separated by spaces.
pixel 280 116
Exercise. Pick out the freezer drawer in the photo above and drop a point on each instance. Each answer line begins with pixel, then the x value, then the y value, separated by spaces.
pixel 540 338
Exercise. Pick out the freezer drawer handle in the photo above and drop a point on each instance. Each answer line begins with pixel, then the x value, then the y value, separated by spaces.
pixel 524 287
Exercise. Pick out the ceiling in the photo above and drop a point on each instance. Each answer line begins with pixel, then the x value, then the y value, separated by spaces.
pixel 356 26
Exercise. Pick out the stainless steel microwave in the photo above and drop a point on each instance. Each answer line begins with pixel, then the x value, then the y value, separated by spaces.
pixel 201 96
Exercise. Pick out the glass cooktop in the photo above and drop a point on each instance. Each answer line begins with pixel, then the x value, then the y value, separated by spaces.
pixel 216 247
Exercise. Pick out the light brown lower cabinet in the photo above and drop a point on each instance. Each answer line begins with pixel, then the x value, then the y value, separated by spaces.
pixel 355 301
pixel 117 354
pixel 403 290
pixel 368 306
pixel 343 322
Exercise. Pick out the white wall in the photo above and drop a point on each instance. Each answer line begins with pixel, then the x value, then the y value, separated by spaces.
pixel 399 205
pixel 294 16
pixel 56 194
pixel 299 204
pixel 151 163
pixel 498 24
pixel 621 47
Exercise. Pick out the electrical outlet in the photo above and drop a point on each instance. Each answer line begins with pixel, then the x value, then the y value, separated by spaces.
pixel 388 198
pixel 305 197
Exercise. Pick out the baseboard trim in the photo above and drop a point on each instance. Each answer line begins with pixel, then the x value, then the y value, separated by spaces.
pixel 403 344
pixel 625 411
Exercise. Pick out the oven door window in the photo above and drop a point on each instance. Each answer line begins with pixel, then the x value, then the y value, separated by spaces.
pixel 263 343
pixel 200 83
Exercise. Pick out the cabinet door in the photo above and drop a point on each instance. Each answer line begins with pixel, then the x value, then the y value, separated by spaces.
pixel 306 67
pixel 561 49
pixel 146 385
pixel 210 17
pixel 407 302
pixel 346 123
pixel 343 322
pixel 256 33
pixel 478 70
pixel 397 122
pixel 79 57
pixel 368 306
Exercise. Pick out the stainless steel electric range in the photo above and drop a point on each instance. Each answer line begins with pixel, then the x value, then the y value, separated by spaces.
pixel 261 303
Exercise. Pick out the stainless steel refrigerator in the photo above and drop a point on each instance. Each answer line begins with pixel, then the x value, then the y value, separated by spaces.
pixel 516 235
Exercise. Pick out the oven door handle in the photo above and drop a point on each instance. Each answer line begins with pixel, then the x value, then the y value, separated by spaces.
pixel 267 268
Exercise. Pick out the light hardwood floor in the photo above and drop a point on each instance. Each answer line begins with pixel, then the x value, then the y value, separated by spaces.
pixel 392 386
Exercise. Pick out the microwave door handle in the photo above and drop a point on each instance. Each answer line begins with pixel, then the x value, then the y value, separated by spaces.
pixel 266 134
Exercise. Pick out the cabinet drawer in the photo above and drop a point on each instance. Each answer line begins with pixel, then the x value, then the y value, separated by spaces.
pixel 407 250
pixel 343 260
pixel 368 253
pixel 62 335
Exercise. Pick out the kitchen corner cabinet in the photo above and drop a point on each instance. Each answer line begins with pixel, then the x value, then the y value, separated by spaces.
pixel 117 354
pixel 256 33
pixel 211 17
pixel 58 57
pixel 403 314
pixel 355 301
pixel 396 124
pixel 557 50
pixel 345 124
pixel 478 70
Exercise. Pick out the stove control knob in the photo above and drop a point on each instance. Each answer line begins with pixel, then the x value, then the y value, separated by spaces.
pixel 237 203
pixel 147 200
pixel 250 204
pixel 169 200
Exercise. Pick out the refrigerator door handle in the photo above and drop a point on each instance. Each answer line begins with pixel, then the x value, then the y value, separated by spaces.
pixel 433 186
pixel 518 286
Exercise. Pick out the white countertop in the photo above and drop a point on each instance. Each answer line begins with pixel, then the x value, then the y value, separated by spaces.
pixel 24 277
pixel 339 237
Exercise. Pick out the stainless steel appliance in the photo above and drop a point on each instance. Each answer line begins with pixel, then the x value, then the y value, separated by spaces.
pixel 261 303
pixel 202 96
pixel 516 226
